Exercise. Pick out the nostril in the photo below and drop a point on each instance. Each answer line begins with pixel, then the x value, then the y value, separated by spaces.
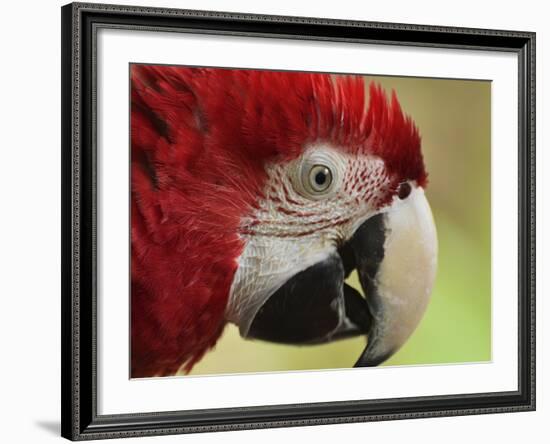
pixel 404 190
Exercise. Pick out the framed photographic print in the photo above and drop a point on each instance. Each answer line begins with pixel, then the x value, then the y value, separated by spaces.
pixel 278 221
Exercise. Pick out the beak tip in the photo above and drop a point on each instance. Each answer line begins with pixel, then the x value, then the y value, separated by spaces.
pixel 375 353
pixel 372 361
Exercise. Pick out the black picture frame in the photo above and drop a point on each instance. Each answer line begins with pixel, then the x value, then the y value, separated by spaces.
pixel 79 171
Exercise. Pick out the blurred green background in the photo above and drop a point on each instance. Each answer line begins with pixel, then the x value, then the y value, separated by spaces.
pixel 454 118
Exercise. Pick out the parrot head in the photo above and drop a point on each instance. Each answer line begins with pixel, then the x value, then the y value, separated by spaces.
pixel 255 194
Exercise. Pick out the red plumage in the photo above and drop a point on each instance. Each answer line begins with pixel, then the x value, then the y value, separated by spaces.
pixel 200 140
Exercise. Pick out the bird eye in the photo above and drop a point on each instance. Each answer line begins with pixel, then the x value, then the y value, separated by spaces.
pixel 404 190
pixel 320 178
pixel 317 175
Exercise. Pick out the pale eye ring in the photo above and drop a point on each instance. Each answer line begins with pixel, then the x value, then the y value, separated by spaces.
pixel 318 174
pixel 320 178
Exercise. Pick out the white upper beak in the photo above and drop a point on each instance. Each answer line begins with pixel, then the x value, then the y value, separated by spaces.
pixel 405 277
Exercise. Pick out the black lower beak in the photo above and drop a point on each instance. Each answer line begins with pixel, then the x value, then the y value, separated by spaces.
pixel 313 307
pixel 316 305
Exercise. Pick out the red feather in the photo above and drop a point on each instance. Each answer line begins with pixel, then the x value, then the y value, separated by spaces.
pixel 200 139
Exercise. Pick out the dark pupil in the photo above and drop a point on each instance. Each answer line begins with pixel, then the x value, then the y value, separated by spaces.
pixel 320 178
pixel 404 190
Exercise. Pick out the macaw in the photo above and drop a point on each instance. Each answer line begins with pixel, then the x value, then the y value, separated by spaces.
pixel 254 195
